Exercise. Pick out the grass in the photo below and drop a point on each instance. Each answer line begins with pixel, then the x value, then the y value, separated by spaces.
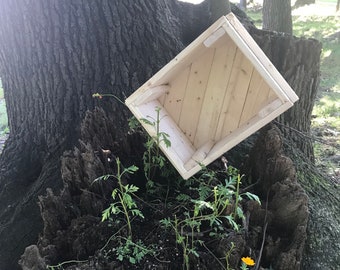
pixel 326 29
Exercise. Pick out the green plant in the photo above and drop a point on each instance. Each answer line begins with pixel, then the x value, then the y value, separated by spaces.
pixel 152 158
pixel 214 205
pixel 227 255
pixel 134 252
pixel 60 265
pixel 122 197
pixel 124 204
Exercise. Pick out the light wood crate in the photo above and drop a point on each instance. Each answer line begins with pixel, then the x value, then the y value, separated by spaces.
pixel 215 93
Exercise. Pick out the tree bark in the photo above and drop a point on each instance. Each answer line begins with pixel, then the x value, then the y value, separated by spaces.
pixel 54 54
pixel 277 16
pixel 218 8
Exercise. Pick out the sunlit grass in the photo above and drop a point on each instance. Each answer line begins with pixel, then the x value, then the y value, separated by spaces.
pixel 327 110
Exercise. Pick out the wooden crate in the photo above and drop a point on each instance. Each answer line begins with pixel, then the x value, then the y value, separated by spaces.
pixel 214 94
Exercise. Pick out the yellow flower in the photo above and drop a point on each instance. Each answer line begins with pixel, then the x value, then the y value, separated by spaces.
pixel 248 261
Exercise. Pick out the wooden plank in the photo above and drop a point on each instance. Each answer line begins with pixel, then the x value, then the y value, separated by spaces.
pixel 233 60
pixel 199 155
pixel 216 89
pixel 262 98
pixel 270 107
pixel 271 95
pixel 254 88
pixel 214 37
pixel 174 97
pixel 236 137
pixel 194 94
pixel 238 92
pixel 250 48
pixel 151 94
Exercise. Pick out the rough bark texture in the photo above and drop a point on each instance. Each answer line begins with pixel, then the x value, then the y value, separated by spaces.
pixel 298 60
pixel 322 249
pixel 277 16
pixel 53 55
pixel 287 203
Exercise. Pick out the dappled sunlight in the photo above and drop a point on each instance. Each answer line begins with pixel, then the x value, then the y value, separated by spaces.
pixel 328 111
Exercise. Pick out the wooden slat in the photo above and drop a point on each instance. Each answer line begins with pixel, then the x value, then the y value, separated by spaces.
pixel 233 59
pixel 151 94
pixel 238 93
pixel 255 85
pixel 216 89
pixel 262 97
pixel 194 94
pixel 174 98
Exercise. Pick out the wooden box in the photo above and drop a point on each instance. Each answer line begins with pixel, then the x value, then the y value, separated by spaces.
pixel 214 94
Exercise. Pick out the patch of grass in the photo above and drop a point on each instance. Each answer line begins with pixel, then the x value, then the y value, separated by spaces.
pixel 325 29
pixel 327 110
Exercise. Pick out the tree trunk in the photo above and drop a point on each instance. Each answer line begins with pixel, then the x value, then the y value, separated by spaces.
pixel 243 5
pixel 277 16
pixel 53 56
pixel 218 8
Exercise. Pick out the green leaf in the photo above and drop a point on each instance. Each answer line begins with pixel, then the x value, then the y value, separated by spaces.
pixel 105 214
pixel 137 212
pixel 114 193
pixel 147 121
pixel 131 169
pixel 166 222
pixel 252 196
pixel 232 222
pixel 132 260
pixel 239 212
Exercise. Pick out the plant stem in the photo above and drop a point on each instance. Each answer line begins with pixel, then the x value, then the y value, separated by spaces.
pixel 237 195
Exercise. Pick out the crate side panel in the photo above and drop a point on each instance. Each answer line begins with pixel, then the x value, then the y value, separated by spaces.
pixel 173 100
pixel 194 94
pixel 216 89
pixel 237 97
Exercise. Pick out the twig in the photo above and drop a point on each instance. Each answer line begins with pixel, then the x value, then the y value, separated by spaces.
pixel 212 254
pixel 264 234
